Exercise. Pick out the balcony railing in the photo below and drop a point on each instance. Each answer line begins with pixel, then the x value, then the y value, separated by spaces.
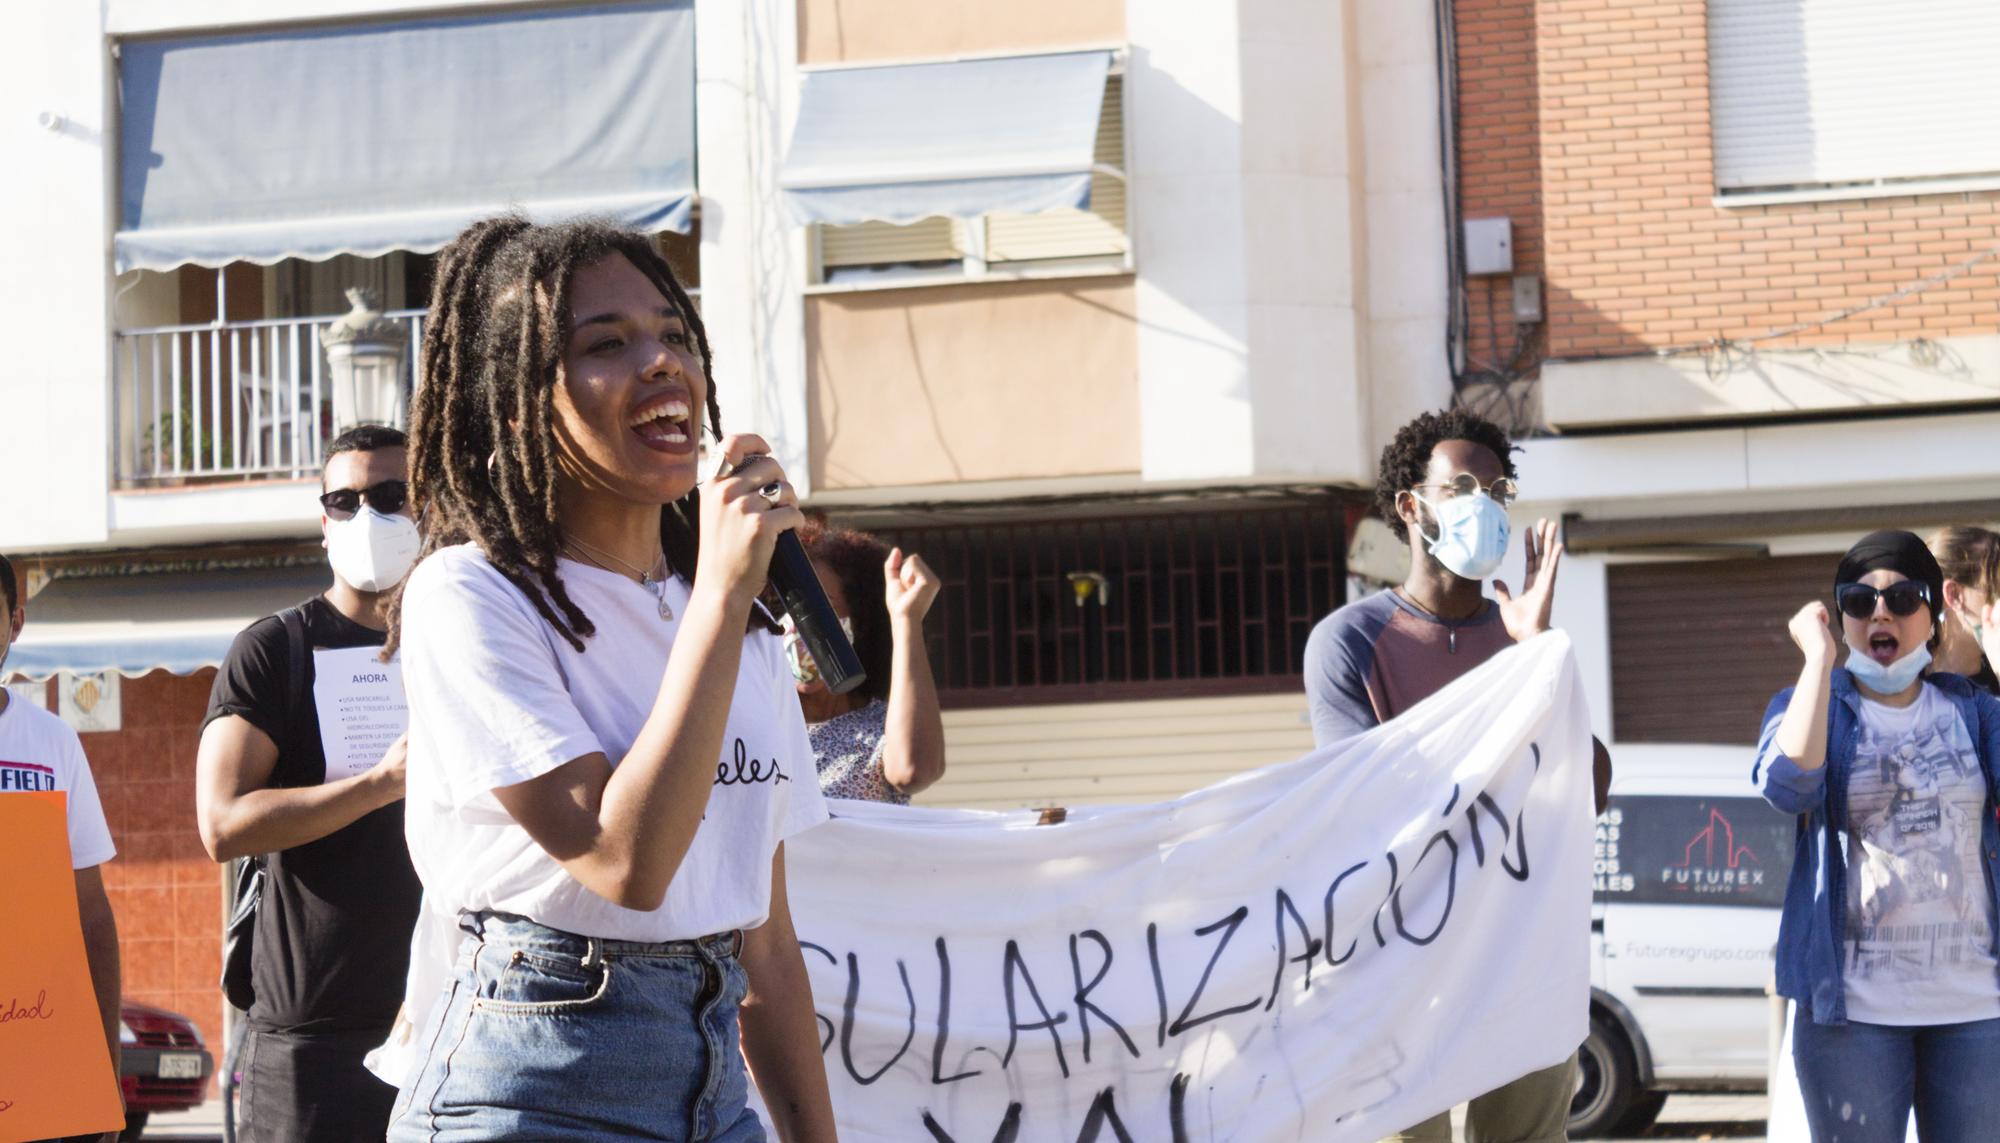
pixel 196 403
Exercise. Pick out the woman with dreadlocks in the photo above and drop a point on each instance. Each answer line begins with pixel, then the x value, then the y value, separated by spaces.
pixel 605 752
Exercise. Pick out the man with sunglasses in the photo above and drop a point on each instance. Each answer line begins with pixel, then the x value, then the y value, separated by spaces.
pixel 1444 486
pixel 331 932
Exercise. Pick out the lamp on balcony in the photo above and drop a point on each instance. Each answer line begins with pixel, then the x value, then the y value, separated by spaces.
pixel 364 351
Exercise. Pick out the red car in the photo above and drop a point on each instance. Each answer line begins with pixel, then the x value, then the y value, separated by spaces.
pixel 166 1067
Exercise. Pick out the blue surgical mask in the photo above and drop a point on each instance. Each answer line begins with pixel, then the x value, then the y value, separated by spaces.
pixel 1892 679
pixel 1472 534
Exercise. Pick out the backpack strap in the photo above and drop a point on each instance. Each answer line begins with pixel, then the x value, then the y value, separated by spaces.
pixel 296 650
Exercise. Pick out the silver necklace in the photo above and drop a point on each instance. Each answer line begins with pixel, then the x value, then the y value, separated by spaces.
pixel 655 579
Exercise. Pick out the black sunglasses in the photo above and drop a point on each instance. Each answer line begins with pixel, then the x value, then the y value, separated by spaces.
pixel 387 498
pixel 1857 600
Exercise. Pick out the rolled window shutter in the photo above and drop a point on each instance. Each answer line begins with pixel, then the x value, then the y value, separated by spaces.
pixel 1098 231
pixel 1807 93
pixel 881 244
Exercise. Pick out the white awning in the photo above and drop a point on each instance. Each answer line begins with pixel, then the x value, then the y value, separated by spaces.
pixel 957 140
pixel 366 138
pixel 133 624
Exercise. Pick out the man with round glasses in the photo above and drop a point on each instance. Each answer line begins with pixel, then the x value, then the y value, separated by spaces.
pixel 1444 486
pixel 339 898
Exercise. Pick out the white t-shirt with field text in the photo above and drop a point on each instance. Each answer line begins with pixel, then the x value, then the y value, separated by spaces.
pixel 38 751
pixel 498 697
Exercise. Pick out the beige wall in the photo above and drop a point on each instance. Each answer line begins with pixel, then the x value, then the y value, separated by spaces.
pixel 1003 381
pixel 837 31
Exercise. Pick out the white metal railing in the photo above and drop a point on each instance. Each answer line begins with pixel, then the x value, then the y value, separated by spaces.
pixel 229 399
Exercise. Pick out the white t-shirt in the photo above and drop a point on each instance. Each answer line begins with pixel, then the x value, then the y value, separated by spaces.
pixel 38 751
pixel 498 697
pixel 1919 914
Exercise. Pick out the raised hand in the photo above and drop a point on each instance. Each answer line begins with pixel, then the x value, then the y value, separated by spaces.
pixel 908 586
pixel 1811 629
pixel 1528 615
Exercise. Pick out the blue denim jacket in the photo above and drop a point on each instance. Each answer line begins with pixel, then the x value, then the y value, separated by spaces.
pixel 1811 934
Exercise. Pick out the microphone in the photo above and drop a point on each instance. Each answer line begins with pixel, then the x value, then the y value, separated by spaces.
pixel 819 628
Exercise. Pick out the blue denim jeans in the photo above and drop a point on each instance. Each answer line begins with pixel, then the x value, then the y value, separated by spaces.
pixel 547 1035
pixel 1860 1080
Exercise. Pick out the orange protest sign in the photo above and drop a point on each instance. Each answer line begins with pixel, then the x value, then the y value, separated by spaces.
pixel 55 1071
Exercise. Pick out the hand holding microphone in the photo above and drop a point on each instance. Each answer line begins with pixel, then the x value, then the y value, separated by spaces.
pixel 749 489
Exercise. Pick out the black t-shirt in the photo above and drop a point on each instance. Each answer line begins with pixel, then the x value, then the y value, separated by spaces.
pixel 333 927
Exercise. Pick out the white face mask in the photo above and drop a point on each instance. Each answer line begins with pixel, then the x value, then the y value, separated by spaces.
pixel 372 552
pixel 1978 623
pixel 1472 534
pixel 1893 679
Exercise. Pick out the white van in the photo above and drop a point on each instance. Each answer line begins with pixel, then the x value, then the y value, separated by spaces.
pixel 1691 868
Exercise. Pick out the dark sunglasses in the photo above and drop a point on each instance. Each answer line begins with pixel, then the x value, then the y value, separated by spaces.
pixel 1857 600
pixel 387 498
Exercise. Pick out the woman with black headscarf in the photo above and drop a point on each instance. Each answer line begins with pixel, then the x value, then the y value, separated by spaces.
pixel 1887 941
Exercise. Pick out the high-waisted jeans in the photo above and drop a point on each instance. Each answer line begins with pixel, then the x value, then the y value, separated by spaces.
pixel 548 1035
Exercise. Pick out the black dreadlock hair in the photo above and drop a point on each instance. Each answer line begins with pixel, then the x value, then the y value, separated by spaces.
pixel 482 448
pixel 1408 457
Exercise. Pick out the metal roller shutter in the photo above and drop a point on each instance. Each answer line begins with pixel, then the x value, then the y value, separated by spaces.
pixel 1699 648
pixel 1075 754
pixel 1819 92
pixel 881 244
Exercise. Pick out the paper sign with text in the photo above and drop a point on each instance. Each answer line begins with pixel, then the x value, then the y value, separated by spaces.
pixel 1322 951
pixel 55 1069
pixel 361 708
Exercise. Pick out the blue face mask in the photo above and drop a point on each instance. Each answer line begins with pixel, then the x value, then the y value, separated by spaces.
pixel 1893 679
pixel 1472 534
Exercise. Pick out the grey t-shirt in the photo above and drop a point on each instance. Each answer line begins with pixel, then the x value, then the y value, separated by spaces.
pixel 1377 657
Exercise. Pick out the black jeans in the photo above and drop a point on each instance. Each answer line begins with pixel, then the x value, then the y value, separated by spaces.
pixel 311 1088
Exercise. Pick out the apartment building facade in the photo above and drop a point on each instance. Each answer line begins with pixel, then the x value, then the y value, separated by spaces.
pixel 1106 307
pixel 1767 244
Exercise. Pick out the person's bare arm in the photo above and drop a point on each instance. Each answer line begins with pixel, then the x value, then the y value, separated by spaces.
pixel 100 948
pixel 239 817
pixel 780 1037
pixel 1802 730
pixel 913 738
pixel 622 832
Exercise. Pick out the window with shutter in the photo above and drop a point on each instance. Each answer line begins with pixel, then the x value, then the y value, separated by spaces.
pixel 1699 647
pixel 1097 231
pixel 1094 235
pixel 1851 94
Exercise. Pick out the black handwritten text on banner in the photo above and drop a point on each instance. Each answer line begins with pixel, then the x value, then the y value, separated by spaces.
pixel 1328 949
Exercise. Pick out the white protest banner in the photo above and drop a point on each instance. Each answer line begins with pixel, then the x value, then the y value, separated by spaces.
pixel 1324 950
pixel 361 708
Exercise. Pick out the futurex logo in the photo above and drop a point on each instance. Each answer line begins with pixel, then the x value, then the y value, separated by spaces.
pixel 1713 862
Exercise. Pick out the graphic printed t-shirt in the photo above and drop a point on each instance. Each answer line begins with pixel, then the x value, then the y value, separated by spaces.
pixel 38 751
pixel 1919 916
pixel 1377 657
pixel 334 922
pixel 497 697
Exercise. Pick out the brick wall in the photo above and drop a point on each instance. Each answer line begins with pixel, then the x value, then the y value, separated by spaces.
pixel 1499 157
pixel 1636 253
pixel 166 892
